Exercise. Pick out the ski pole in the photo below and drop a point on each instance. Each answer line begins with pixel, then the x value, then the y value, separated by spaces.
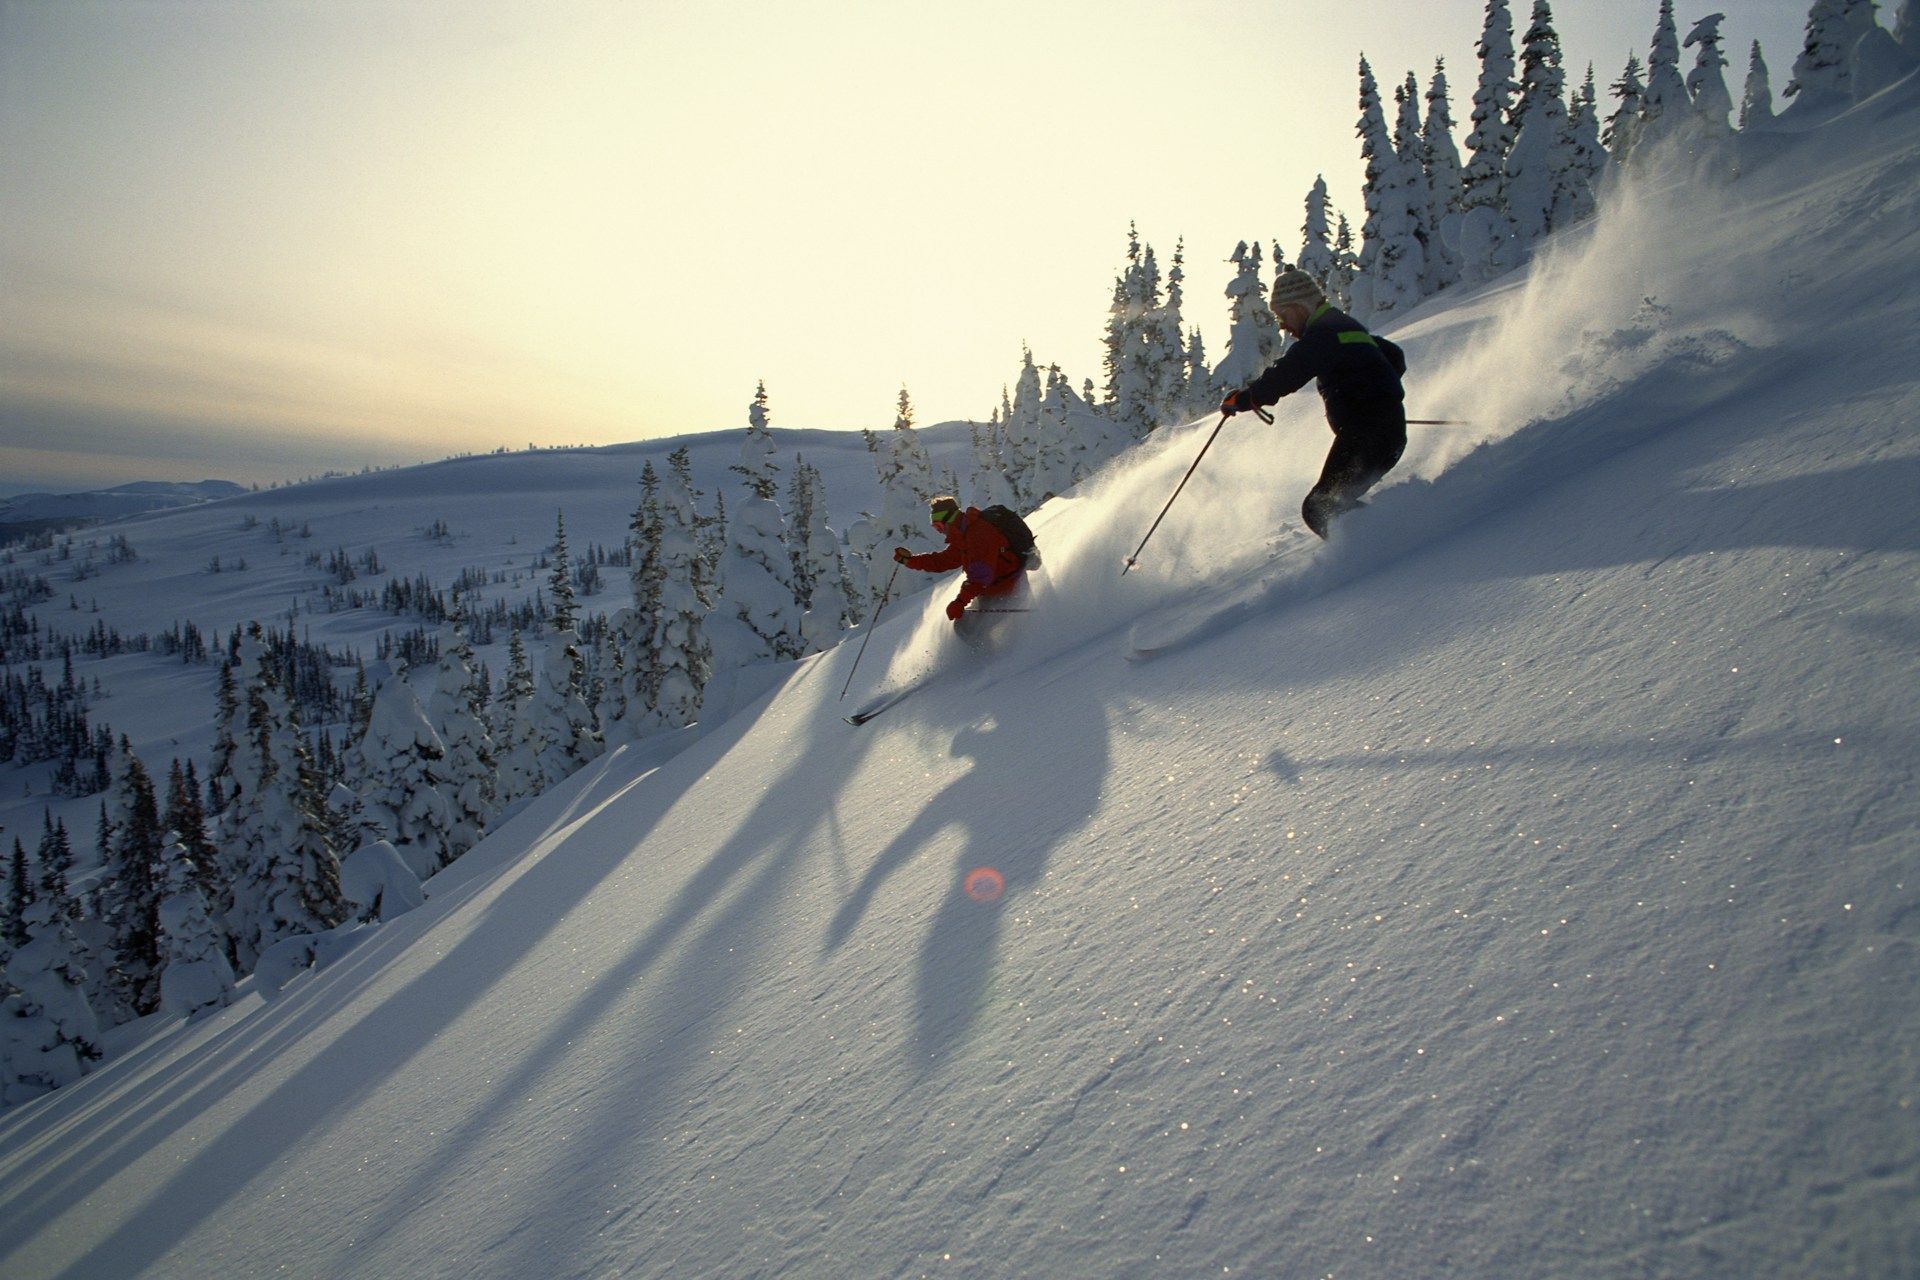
pixel 871 624
pixel 1437 422
pixel 1134 558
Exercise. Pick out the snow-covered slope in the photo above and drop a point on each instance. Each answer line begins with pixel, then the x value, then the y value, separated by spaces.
pixel 1528 888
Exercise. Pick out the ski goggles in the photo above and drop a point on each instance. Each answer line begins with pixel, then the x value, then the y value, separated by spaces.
pixel 946 516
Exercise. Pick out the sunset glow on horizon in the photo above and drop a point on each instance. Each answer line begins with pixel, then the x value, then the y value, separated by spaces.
pixel 256 241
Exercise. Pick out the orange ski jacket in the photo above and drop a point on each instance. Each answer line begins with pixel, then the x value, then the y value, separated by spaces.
pixel 976 546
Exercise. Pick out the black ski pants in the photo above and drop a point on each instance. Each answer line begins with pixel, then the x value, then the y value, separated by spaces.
pixel 1360 457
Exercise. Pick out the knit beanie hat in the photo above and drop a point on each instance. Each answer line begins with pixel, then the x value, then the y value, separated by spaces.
pixel 1295 285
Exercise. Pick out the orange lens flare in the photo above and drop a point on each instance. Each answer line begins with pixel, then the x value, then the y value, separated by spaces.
pixel 984 884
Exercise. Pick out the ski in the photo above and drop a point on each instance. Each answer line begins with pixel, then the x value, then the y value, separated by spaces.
pixel 879 705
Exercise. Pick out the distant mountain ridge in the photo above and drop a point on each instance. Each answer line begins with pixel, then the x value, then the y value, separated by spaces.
pixel 35 512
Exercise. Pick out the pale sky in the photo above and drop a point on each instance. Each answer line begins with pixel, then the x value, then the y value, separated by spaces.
pixel 256 240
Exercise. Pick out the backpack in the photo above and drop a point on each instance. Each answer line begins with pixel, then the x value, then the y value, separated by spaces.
pixel 1014 530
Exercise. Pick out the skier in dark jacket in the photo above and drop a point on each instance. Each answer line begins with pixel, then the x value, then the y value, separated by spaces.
pixel 1359 377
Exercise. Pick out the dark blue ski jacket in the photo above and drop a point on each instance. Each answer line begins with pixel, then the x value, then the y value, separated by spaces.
pixel 1359 374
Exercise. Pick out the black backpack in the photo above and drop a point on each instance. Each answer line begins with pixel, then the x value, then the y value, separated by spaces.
pixel 1014 530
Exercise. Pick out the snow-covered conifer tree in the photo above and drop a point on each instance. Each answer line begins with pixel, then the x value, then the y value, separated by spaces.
pixel 397 773
pixel 1253 335
pixel 185 816
pixel 1391 259
pixel 759 461
pixel 563 723
pixel 1023 430
pixel 682 653
pixel 514 733
pixel 1492 135
pixel 1167 353
pixel 1346 264
pixel 1756 101
pixel 1588 156
pixel 1622 130
pixel 194 970
pixel 1410 155
pixel 817 563
pixel 1540 166
pixel 1134 347
pixel 1316 235
pixel 989 477
pixel 1199 396
pixel 1665 106
pixel 758 614
pixel 1445 185
pixel 1707 82
pixel 634 626
pixel 1057 464
pixel 49 1035
pixel 287 881
pixel 13 927
pixel 456 712
pixel 906 485
pixel 127 898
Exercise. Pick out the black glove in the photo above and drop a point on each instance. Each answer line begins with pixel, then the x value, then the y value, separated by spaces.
pixel 901 555
pixel 1236 402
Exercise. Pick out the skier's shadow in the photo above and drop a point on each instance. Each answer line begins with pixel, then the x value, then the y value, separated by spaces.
pixel 998 823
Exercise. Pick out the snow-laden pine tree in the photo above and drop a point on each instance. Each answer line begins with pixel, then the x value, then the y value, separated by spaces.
pixel 457 712
pixel 396 771
pixel 677 646
pixel 633 627
pixel 1135 348
pixel 818 563
pixel 758 614
pixel 185 816
pixel 1023 431
pixel 1062 459
pixel 989 477
pixel 1539 168
pixel 49 1035
pixel 516 739
pixel 1346 264
pixel 1589 157
pixel 1445 185
pixel 1665 107
pixel 1707 82
pixel 287 875
pixel 1492 134
pixel 1822 73
pixel 1167 357
pixel 13 925
pixel 1410 152
pixel 1622 131
pixel 194 971
pixel 1316 234
pixel 1391 259
pixel 1756 99
pixel 759 463
pixel 127 896
pixel 1253 335
pixel 566 733
pixel 906 485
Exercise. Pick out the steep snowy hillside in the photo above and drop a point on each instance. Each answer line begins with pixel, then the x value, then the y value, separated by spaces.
pixel 1522 884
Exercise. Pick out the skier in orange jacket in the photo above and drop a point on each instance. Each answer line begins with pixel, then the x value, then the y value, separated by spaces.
pixel 992 566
